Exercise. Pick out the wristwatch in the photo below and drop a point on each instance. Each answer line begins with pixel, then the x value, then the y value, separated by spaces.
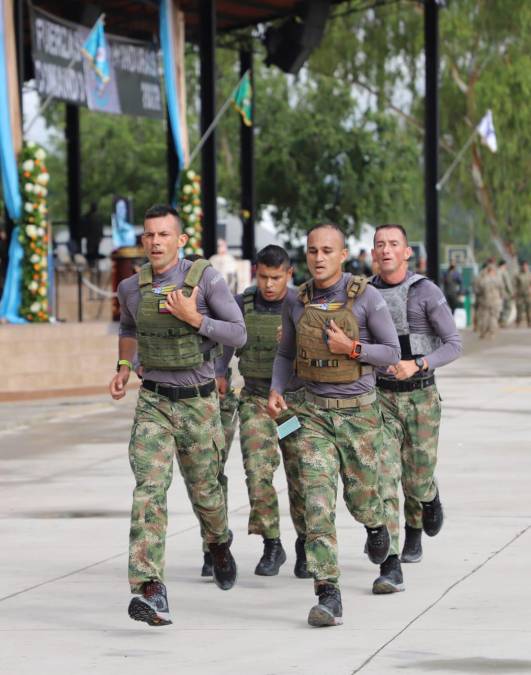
pixel 356 350
pixel 419 361
pixel 124 362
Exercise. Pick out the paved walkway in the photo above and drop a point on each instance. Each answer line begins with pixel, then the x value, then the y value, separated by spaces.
pixel 66 488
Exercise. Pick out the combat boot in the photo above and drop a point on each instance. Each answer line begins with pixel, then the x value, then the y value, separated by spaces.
pixel 223 566
pixel 432 516
pixel 378 544
pixel 273 557
pixel 300 570
pixel 152 606
pixel 390 579
pixel 206 570
pixel 329 611
pixel 412 551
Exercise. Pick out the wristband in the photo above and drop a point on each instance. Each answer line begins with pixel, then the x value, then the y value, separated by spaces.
pixel 356 350
pixel 124 362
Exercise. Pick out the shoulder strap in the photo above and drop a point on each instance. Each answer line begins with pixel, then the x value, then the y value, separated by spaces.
pixel 145 277
pixel 304 292
pixel 194 274
pixel 249 296
pixel 356 285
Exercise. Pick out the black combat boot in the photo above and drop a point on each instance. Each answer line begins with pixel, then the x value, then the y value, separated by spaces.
pixel 390 579
pixel 412 551
pixel 329 611
pixel 152 605
pixel 432 516
pixel 273 557
pixel 223 566
pixel 378 544
pixel 206 570
pixel 300 569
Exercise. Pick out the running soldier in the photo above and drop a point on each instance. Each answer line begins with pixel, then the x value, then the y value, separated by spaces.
pixel 262 306
pixel 173 312
pixel 409 400
pixel 335 331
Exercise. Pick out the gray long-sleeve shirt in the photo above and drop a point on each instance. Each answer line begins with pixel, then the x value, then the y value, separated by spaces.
pixel 428 313
pixel 223 321
pixel 380 345
pixel 262 306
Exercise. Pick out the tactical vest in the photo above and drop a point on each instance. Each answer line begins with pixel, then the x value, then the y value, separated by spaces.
pixel 412 345
pixel 165 342
pixel 258 353
pixel 314 361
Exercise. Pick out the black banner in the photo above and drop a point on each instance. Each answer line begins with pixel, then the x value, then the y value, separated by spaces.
pixel 62 72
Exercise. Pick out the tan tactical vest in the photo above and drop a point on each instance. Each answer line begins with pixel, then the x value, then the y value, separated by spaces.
pixel 165 342
pixel 258 353
pixel 314 361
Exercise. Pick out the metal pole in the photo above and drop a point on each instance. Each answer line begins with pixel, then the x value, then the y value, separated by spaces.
pixel 207 46
pixel 79 296
pixel 248 206
pixel 172 163
pixel 73 150
pixel 431 139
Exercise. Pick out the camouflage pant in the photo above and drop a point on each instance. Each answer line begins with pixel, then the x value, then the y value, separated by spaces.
pixel 332 442
pixel 409 454
pixel 259 443
pixel 190 429
pixel 523 310
pixel 488 319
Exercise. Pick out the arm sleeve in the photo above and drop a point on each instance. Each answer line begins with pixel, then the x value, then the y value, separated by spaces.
pixel 226 325
pixel 386 348
pixel 127 320
pixel 286 352
pixel 222 363
pixel 443 325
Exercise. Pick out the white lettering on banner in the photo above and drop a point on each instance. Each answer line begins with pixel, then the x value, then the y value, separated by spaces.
pixel 133 59
pixel 57 40
pixel 60 82
pixel 150 96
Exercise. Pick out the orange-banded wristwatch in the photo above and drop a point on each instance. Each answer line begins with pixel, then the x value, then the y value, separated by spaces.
pixel 356 350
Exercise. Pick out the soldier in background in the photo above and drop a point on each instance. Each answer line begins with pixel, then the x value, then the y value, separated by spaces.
pixel 489 293
pixel 507 292
pixel 523 295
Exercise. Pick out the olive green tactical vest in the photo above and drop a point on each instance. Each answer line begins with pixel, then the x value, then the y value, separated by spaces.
pixel 165 342
pixel 258 353
pixel 314 361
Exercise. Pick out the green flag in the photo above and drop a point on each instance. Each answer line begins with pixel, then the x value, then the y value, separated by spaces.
pixel 242 100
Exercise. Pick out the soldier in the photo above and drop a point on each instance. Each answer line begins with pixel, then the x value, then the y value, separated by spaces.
pixel 174 312
pixel 409 399
pixel 489 293
pixel 523 295
pixel 336 330
pixel 262 306
pixel 507 292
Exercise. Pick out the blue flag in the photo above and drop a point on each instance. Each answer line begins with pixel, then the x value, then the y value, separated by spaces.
pixel 96 51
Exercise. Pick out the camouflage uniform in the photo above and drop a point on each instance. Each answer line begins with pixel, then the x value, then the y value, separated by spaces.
pixel 347 442
pixel 191 430
pixel 259 444
pixel 409 454
pixel 489 291
pixel 523 298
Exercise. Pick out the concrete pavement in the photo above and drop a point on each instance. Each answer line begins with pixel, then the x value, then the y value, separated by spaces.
pixel 66 489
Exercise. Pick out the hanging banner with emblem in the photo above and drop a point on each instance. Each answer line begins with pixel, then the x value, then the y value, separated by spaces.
pixel 61 70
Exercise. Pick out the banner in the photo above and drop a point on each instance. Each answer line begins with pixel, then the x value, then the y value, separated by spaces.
pixel 62 72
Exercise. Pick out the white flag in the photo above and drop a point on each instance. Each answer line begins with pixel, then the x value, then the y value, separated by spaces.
pixel 487 132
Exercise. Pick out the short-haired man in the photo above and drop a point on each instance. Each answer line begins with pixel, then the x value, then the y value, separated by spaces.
pixel 262 306
pixel 173 312
pixel 409 399
pixel 335 331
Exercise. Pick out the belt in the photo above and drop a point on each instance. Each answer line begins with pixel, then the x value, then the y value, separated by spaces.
pixel 297 396
pixel 405 385
pixel 178 393
pixel 340 403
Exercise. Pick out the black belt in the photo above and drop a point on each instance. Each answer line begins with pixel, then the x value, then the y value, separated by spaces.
pixel 177 393
pixel 405 385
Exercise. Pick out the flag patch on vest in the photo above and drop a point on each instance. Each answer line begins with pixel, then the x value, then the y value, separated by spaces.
pixel 327 306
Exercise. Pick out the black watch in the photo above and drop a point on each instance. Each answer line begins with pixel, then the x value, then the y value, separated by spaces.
pixel 419 361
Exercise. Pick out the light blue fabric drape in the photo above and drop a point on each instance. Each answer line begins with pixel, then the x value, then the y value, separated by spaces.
pixel 12 294
pixel 172 93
